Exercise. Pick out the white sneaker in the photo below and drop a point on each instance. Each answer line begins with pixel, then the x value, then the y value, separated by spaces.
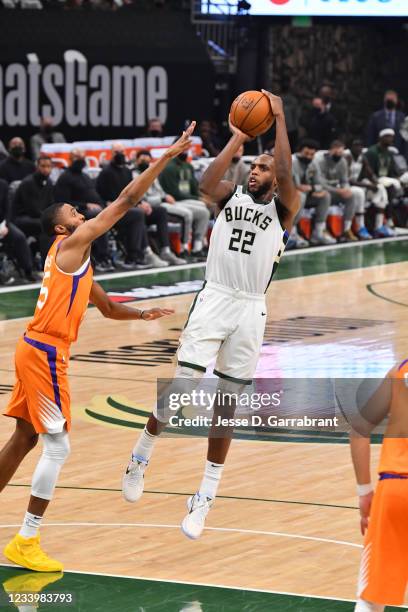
pixel 322 239
pixel 172 259
pixel 198 508
pixel 154 260
pixel 133 480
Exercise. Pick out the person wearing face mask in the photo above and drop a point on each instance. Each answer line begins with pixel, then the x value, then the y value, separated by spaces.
pixel 238 171
pixel 77 188
pixel 389 117
pixel 179 181
pixel 34 194
pixel 47 134
pixel 14 242
pixel 132 230
pixel 335 179
pixel 308 182
pixel 16 166
pixel 154 129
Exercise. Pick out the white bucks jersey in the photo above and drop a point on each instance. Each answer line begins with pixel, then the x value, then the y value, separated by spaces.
pixel 246 244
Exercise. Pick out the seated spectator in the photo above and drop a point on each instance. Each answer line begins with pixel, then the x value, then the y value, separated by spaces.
pixel 361 175
pixel 76 188
pixel 131 228
pixel 334 172
pixel 383 163
pixel 156 195
pixel 154 128
pixel 306 176
pixel 208 133
pixel 13 240
pixel 16 166
pixel 46 135
pixel 238 171
pixel 178 180
pixel 387 117
pixel 34 194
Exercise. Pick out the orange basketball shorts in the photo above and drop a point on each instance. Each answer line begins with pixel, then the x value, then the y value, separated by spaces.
pixel 384 563
pixel 41 392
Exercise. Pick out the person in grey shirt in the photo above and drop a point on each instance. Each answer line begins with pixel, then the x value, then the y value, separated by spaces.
pixel 156 195
pixel 335 179
pixel 308 181
pixel 46 135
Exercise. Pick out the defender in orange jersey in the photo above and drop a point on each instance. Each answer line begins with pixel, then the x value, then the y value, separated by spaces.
pixel 40 401
pixel 383 574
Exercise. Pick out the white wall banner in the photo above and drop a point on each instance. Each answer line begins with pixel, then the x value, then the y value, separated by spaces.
pixel 344 8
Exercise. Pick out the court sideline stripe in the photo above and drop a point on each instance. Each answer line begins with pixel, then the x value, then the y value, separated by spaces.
pixel 278 534
pixel 203 584
pixel 258 499
pixel 292 253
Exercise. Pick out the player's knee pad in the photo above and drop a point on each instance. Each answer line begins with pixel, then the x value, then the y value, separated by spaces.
pixel 56 447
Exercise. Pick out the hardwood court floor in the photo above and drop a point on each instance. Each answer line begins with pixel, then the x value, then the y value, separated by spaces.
pixel 286 517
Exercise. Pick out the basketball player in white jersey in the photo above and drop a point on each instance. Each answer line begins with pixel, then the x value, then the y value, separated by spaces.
pixel 227 319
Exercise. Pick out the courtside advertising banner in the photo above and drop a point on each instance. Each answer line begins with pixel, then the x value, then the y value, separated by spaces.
pixel 344 8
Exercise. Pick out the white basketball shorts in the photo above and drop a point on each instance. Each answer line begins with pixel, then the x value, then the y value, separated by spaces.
pixel 226 325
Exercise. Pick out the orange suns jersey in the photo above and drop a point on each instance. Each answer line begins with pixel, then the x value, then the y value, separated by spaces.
pixel 394 451
pixel 63 298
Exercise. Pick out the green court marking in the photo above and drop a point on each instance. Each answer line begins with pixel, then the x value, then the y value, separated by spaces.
pixel 235 497
pixel 16 304
pixel 107 593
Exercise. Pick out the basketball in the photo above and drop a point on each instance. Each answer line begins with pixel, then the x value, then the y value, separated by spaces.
pixel 251 113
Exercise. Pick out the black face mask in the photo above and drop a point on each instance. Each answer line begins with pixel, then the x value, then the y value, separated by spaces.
pixel 336 158
pixel 119 159
pixel 78 165
pixel 182 157
pixel 155 133
pixel 304 160
pixel 17 152
pixel 142 166
pixel 390 104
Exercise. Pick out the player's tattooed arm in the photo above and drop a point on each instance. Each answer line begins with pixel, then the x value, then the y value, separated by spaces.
pixel 129 196
pixel 121 312
pixel 289 199
pixel 213 189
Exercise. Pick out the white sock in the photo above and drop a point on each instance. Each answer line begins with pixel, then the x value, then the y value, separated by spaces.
pixel 197 245
pixel 148 250
pixel 143 448
pixel 347 226
pixel 379 220
pixel 368 606
pixel 185 246
pixel 319 228
pixel 211 479
pixel 30 526
pixel 165 250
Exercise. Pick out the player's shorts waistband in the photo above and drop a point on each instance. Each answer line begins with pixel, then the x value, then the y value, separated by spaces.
pixel 237 293
pixel 47 339
pixel 392 476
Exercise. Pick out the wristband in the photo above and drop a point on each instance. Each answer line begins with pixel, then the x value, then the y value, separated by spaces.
pixel 141 314
pixel 364 489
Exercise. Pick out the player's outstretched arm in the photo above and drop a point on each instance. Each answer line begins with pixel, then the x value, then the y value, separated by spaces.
pixel 212 187
pixel 288 194
pixel 120 312
pixel 128 197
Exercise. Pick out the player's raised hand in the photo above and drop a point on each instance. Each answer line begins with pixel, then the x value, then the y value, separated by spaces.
pixel 156 313
pixel 365 507
pixel 244 137
pixel 183 143
pixel 275 102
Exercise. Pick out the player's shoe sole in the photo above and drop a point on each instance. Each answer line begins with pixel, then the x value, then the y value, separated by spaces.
pixel 28 553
